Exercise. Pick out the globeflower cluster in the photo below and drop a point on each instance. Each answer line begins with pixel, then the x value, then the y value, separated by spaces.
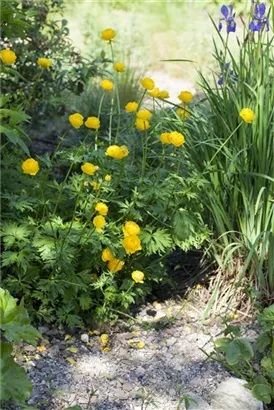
pixel 113 264
pixel 77 120
pixel 175 138
pixel 131 241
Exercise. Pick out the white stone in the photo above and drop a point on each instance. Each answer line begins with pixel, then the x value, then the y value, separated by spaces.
pixel 232 395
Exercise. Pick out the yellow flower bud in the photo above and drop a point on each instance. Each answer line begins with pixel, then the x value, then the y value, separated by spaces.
pixel 108 178
pixel 30 166
pixel 95 185
pixel 138 276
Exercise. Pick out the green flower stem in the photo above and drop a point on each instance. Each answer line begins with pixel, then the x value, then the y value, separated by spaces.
pixel 131 286
pixel 141 99
pixel 117 95
pixel 99 115
pixel 110 121
pixel 174 105
pixel 144 159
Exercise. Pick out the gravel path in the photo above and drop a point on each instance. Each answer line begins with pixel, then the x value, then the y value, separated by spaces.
pixel 168 363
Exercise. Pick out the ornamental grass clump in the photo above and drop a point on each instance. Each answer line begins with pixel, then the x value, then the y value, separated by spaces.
pixel 231 148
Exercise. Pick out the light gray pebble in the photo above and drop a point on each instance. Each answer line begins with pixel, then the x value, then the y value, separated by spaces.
pixel 84 337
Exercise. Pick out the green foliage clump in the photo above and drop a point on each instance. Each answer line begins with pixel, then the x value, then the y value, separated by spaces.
pixel 253 362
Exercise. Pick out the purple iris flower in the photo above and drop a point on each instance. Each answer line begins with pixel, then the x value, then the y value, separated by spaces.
pixel 259 19
pixel 229 16
pixel 226 74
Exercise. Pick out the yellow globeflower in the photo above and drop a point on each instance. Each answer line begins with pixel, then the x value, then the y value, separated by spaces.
pixel 185 96
pixel 98 222
pixel 176 138
pixel 95 185
pixel 92 122
pixel 131 106
pixel 107 255
pixel 115 265
pixel 76 120
pixel 117 152
pixel 165 138
pixel 247 115
pixel 108 178
pixel 119 67
pixel 143 115
pixel 8 57
pixel 30 166
pixel 142 125
pixel 131 228
pixel 44 62
pixel 114 151
pixel 138 276
pixel 88 168
pixel 102 208
pixel 107 85
pixel 147 83
pixel 154 93
pixel 183 113
pixel 132 244
pixel 108 34
pixel 164 94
